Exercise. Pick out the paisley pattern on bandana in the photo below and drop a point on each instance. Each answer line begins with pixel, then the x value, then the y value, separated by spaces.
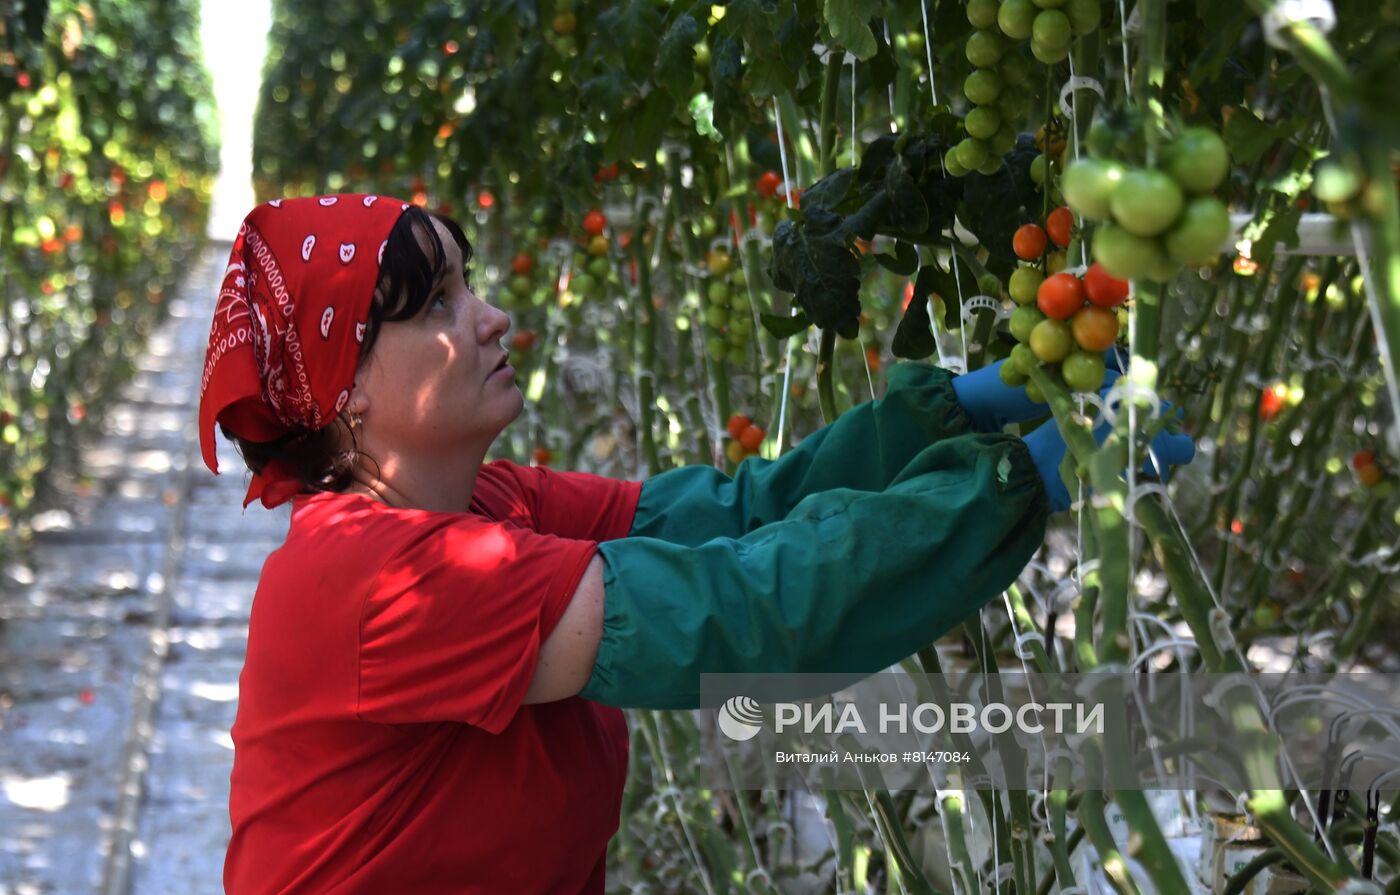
pixel 277 360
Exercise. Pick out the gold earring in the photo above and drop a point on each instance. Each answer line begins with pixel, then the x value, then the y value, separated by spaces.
pixel 356 420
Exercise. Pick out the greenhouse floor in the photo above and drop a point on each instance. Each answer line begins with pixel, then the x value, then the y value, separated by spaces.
pixel 122 640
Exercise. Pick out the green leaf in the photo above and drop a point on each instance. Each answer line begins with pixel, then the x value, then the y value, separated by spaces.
pixel 811 259
pixel 830 190
pixel 751 20
pixel 849 23
pixel 702 110
pixel 782 327
pixel 903 262
pixel 769 76
pixel 1247 137
pixel 913 340
pixel 675 58
pixel 637 132
pixel 994 205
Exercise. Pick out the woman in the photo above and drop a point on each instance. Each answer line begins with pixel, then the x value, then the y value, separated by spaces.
pixel 438 653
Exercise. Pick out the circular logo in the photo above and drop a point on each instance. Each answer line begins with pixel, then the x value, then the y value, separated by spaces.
pixel 740 718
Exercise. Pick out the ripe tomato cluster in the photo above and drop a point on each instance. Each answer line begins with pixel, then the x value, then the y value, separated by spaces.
pixel 1062 319
pixel 1155 219
pixel 745 438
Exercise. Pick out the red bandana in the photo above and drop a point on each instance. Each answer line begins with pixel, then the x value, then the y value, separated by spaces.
pixel 289 323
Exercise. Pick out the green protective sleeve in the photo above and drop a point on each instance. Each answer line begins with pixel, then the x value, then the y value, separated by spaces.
pixel 863 449
pixel 849 581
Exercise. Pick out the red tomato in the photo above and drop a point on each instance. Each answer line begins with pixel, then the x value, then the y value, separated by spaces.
pixel 1270 403
pixel 1059 225
pixel 767 184
pixel 908 295
pixel 751 438
pixel 1362 458
pixel 523 340
pixel 486 200
pixel 594 222
pixel 1060 295
pixel 541 456
pixel 737 424
pixel 1029 242
pixel 522 264
pixel 1103 288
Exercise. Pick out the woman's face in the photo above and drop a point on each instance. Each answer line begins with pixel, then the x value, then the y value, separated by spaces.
pixel 429 380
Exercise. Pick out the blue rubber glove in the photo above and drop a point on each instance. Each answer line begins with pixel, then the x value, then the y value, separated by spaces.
pixel 991 403
pixel 1047 449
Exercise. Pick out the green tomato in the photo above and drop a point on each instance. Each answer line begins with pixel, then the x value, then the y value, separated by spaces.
pixel 991 166
pixel 1016 18
pixel 1335 183
pixel 984 48
pixel 982 122
pixel 1197 159
pixel 1051 28
pixel 952 165
pixel 1049 4
pixel 521 287
pixel 982 87
pixel 739 353
pixel 1011 376
pixel 717 292
pixel 1013 104
pixel 1083 371
pixel 741 323
pixel 1101 138
pixel 1003 141
pixel 988 284
pixel 1023 359
pixel 1034 393
pixel 1089 184
pixel 1124 255
pixel 1014 69
pixel 1146 202
pixel 1023 320
pixel 1024 284
pixel 1202 230
pixel 1038 165
pixel 1048 54
pixel 582 284
pixel 1083 16
pixel 982 13
pixel 1052 340
pixel 739 298
pixel 599 268
pixel 716 316
pixel 971 153
pixel 737 338
pixel 717 348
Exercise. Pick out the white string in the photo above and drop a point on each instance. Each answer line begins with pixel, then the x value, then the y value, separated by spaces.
pixel 1123 29
pixel 787 358
pixel 928 51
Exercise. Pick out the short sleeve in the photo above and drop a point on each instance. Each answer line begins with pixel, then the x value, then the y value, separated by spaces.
pixel 578 504
pixel 452 625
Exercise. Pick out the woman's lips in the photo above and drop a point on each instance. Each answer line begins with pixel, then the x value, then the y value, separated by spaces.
pixel 502 370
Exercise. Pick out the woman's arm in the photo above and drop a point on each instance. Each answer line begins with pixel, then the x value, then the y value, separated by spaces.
pixel 850 581
pixel 863 450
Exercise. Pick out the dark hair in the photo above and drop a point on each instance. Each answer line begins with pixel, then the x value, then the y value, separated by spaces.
pixel 406 279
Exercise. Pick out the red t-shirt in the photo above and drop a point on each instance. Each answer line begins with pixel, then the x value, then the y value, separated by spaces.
pixel 381 743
